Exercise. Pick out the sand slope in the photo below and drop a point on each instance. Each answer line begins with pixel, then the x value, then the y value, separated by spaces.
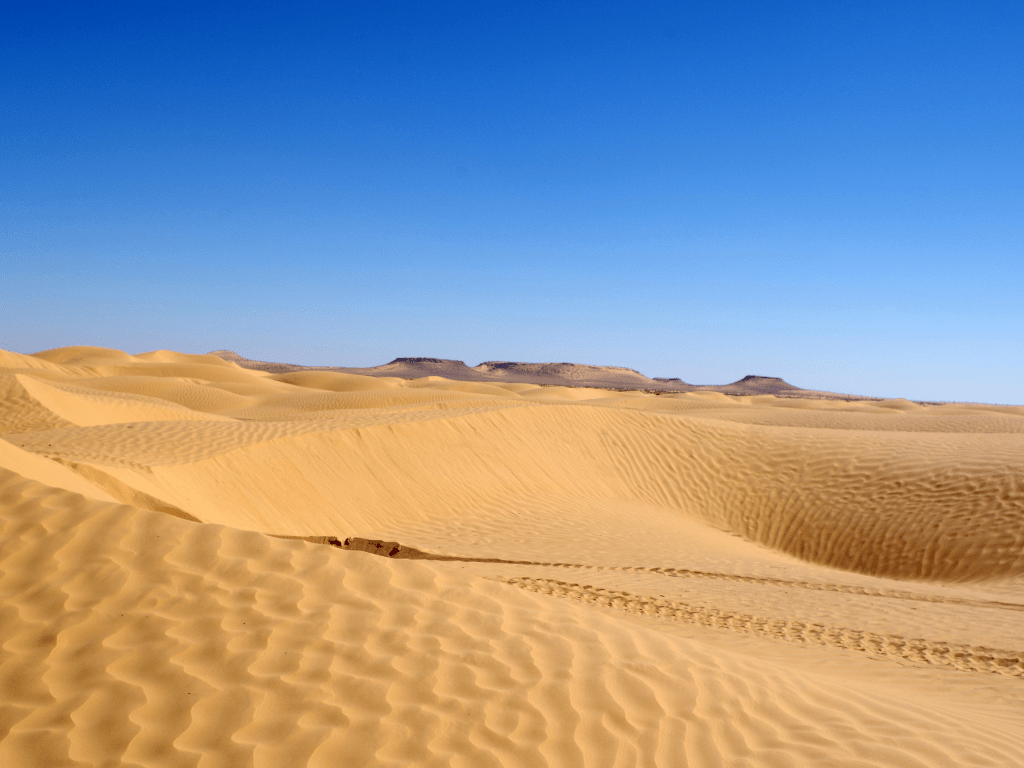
pixel 151 641
pixel 906 504
pixel 581 576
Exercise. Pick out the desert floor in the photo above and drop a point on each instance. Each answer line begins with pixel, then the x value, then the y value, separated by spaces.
pixel 521 575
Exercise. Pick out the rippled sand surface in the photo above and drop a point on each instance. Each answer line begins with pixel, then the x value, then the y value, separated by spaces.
pixel 205 565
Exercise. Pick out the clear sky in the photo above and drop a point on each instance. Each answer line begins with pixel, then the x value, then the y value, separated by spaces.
pixel 831 192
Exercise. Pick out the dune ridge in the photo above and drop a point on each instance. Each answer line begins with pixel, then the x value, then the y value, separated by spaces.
pixel 571 575
pixel 937 507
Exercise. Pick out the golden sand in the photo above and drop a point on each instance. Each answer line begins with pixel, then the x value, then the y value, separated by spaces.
pixel 577 576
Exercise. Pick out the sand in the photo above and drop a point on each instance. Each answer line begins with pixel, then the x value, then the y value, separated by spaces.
pixel 203 564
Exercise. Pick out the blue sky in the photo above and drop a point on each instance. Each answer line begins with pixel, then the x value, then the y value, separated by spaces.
pixel 828 192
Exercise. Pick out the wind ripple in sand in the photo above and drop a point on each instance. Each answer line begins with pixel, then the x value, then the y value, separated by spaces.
pixel 134 638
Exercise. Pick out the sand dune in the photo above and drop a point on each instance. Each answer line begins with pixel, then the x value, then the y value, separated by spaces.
pixel 566 575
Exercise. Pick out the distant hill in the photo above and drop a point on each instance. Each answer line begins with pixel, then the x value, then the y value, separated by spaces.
pixel 560 374
pixel 761 385
pixel 550 374
pixel 567 374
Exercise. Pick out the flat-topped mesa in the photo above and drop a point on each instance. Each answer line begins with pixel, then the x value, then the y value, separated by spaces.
pixel 501 365
pixel 415 360
pixel 422 367
pixel 765 379
pixel 568 371
pixel 760 384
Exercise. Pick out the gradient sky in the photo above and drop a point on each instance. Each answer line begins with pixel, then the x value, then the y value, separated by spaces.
pixel 824 191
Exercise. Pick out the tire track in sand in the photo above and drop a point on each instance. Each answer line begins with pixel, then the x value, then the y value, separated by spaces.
pixel 402 552
pixel 957 656
pixel 916 650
